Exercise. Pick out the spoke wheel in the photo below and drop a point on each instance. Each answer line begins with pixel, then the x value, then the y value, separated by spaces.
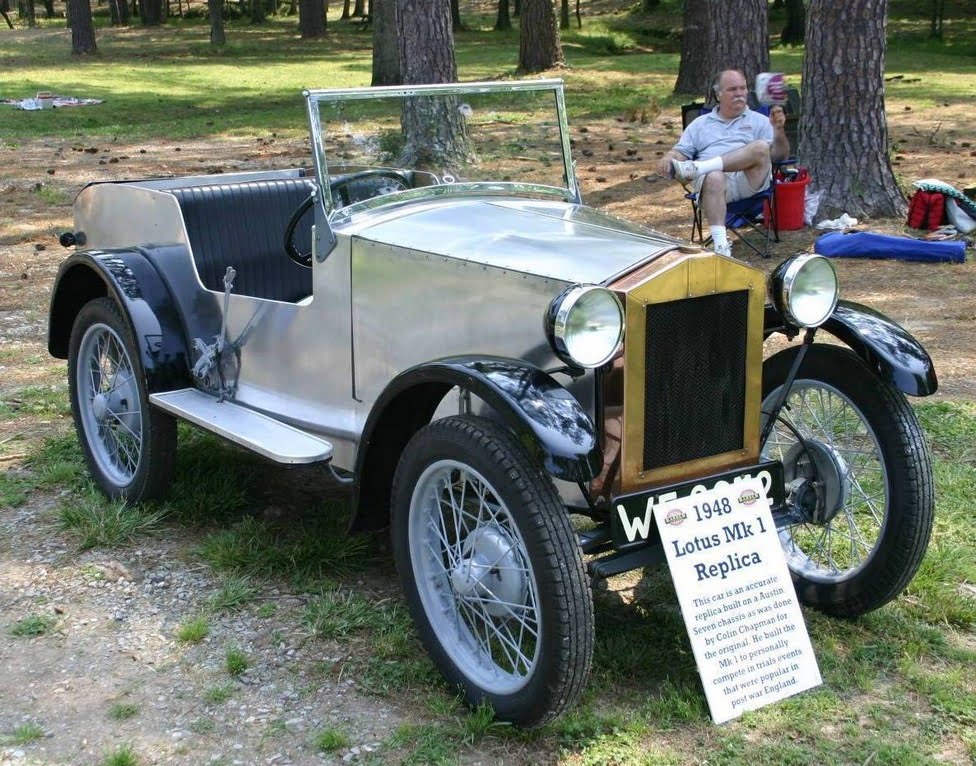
pixel 128 446
pixel 868 500
pixel 491 570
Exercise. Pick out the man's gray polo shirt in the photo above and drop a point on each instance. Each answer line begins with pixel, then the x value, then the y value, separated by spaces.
pixel 710 135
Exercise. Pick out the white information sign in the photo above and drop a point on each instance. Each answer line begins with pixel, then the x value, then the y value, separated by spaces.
pixel 738 602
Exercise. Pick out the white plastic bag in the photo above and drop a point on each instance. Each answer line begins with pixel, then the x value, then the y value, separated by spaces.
pixel 811 204
pixel 959 217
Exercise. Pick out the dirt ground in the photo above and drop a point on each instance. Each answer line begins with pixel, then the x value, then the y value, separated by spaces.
pixel 116 617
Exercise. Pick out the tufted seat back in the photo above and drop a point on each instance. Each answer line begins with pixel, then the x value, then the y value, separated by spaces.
pixel 243 225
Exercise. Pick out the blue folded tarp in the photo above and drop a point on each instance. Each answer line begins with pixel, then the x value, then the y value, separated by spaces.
pixel 865 244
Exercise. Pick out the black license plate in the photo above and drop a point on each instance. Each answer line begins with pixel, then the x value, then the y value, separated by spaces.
pixel 632 519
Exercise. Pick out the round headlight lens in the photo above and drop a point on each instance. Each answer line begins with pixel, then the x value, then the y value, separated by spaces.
pixel 586 325
pixel 806 289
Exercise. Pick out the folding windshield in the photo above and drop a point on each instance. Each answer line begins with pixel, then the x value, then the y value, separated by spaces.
pixel 377 144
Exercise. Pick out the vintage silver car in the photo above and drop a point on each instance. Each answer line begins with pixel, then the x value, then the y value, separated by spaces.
pixel 510 380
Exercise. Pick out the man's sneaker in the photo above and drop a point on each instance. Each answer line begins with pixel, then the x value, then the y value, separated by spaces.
pixel 684 170
pixel 725 249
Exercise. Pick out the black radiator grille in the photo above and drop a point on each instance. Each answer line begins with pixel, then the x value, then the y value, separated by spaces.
pixel 694 395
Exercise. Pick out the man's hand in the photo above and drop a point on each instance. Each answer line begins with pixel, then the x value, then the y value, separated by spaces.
pixel 664 166
pixel 777 117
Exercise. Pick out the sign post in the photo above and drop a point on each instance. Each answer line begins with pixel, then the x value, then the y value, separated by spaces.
pixel 738 602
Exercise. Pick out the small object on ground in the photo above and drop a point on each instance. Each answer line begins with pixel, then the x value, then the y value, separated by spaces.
pixel 844 222
pixel 943 232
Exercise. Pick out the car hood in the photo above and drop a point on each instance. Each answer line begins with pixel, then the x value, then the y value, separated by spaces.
pixel 573 243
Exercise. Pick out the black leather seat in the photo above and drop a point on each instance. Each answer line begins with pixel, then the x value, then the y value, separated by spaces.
pixel 243 225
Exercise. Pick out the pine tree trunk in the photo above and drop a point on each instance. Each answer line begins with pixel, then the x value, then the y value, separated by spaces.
pixel 938 12
pixel 386 63
pixel 82 29
pixel 719 35
pixel 311 18
pixel 346 6
pixel 503 21
pixel 258 13
pixel 359 8
pixel 152 12
pixel 216 8
pixel 433 127
pixel 796 19
pixel 564 14
pixel 456 24
pixel 844 133
pixel 539 46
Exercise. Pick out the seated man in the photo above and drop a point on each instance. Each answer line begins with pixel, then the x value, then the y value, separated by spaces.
pixel 727 153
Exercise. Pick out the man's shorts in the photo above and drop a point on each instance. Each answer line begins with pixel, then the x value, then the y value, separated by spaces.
pixel 737 185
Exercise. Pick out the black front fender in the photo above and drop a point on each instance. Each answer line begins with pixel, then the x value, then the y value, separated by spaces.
pixel 544 417
pixel 885 346
pixel 132 281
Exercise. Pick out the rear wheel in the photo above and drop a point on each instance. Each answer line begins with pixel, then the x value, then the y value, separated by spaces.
pixel 491 570
pixel 128 445
pixel 868 502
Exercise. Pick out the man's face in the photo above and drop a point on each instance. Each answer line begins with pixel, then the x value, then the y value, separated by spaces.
pixel 732 94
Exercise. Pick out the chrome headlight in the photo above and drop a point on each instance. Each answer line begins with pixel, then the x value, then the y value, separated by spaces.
pixel 804 289
pixel 585 325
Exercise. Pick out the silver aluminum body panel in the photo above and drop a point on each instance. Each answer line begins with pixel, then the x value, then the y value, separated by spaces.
pixel 565 242
pixel 257 432
pixel 410 306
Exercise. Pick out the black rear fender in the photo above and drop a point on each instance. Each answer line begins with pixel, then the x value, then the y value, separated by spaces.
pixel 128 277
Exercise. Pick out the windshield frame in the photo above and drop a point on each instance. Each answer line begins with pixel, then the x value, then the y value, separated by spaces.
pixel 313 97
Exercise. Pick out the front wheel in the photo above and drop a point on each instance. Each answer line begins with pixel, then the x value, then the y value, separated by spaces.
pixel 491 570
pixel 128 445
pixel 867 502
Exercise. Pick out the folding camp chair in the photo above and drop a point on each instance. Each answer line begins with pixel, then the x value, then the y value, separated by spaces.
pixel 753 219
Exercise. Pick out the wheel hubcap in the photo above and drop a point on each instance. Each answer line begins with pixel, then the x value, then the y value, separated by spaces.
pixel 823 465
pixel 489 568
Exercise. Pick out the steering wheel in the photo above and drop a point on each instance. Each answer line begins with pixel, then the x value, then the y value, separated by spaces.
pixel 302 259
pixel 340 186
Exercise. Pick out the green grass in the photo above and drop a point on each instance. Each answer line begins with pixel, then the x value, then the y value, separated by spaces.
pixel 193 631
pixel 32 625
pixel 123 755
pixel 123 711
pixel 216 695
pixel 24 734
pixel 235 660
pixel 330 740
pixel 100 523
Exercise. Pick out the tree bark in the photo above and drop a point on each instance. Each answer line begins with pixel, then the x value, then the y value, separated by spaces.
pixel 311 18
pixel 433 127
pixel 938 13
pixel 844 133
pixel 796 19
pixel 503 21
pixel 539 46
pixel 119 12
pixel 359 8
pixel 719 35
pixel 386 62
pixel 151 12
pixel 346 6
pixel 564 14
pixel 216 8
pixel 456 24
pixel 82 29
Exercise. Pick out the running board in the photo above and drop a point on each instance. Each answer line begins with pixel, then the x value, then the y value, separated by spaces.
pixel 259 433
